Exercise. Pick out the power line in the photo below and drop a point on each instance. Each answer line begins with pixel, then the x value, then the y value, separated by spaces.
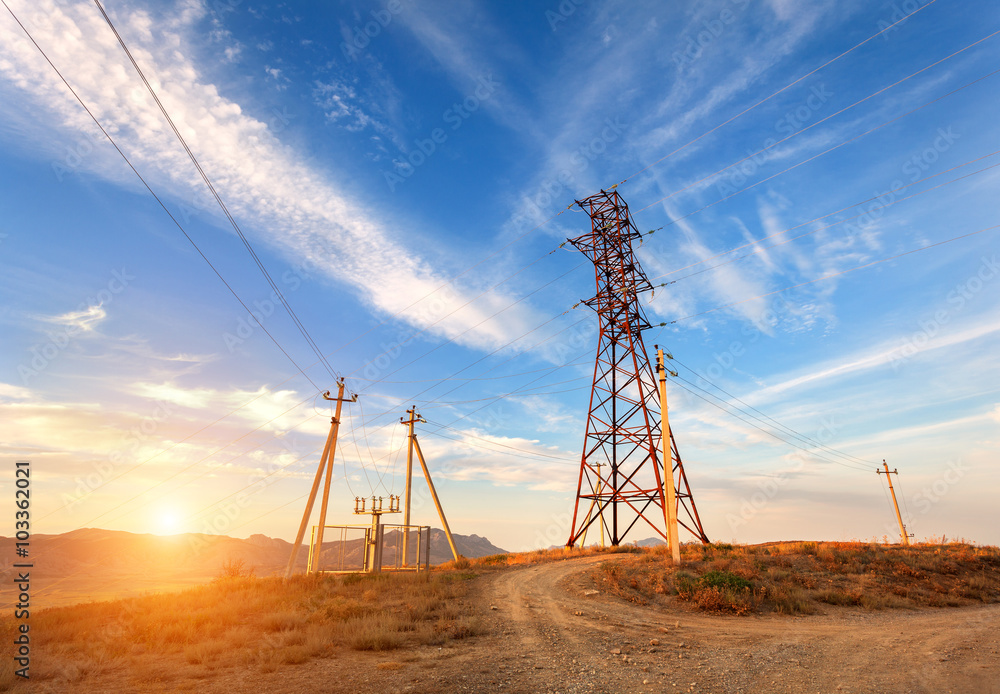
pixel 623 181
pixel 151 192
pixel 771 96
pixel 218 199
pixel 772 419
pixel 830 214
pixel 522 454
pixel 473 327
pixel 773 422
pixel 827 151
pixel 832 115
pixel 832 275
pixel 446 378
pixel 250 249
pixel 766 431
pixel 208 182
pixel 509 394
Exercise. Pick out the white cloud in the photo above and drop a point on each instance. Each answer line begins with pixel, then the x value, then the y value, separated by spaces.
pixel 196 398
pixel 84 319
pixel 500 460
pixel 276 74
pixel 14 392
pixel 339 103
pixel 877 357
pixel 278 409
pixel 444 34
pixel 305 214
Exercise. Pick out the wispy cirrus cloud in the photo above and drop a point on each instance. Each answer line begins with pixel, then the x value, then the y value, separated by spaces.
pixel 84 320
pixel 880 356
pixel 307 214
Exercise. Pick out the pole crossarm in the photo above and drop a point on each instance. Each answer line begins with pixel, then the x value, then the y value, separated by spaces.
pixel 620 481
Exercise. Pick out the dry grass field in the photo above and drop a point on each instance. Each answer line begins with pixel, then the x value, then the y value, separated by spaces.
pixel 243 622
pixel 244 628
pixel 801 577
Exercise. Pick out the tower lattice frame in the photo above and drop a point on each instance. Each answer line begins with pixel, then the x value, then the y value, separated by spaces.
pixel 620 481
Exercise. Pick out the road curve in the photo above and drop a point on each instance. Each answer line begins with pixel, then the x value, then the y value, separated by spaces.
pixel 552 632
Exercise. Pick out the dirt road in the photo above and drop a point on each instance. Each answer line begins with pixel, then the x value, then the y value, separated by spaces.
pixel 569 639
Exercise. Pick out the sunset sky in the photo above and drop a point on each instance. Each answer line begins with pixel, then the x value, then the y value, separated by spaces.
pixel 404 171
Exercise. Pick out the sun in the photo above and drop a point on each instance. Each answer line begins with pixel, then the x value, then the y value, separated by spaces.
pixel 168 522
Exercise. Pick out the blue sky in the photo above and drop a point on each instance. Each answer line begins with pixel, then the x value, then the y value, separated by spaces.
pixel 404 170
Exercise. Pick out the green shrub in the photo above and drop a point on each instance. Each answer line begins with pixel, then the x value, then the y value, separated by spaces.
pixel 724 579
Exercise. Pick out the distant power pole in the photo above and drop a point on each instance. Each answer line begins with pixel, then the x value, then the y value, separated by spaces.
pixel 623 424
pixel 902 528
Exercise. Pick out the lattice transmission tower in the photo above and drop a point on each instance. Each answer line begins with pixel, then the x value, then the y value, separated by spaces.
pixel 620 482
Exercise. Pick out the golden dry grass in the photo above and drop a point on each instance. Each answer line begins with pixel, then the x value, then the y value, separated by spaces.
pixel 247 622
pixel 801 577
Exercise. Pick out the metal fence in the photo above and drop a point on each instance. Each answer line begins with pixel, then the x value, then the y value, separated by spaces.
pixel 364 549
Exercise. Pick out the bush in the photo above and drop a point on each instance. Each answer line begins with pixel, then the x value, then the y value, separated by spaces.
pixel 716 599
pixel 685 584
pixel 236 568
pixel 724 579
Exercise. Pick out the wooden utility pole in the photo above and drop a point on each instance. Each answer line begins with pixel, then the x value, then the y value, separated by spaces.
pixel 669 491
pixel 413 419
pixel 899 517
pixel 325 465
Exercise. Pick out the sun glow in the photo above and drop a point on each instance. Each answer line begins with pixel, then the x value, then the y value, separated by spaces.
pixel 168 522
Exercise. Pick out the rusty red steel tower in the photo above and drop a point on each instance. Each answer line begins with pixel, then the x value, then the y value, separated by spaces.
pixel 620 482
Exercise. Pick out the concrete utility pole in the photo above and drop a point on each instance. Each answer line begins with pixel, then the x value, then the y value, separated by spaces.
pixel 325 465
pixel 590 511
pixel 600 483
pixel 902 528
pixel 669 491
pixel 413 419
pixel 414 445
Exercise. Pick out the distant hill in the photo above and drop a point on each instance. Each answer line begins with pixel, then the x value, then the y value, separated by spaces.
pixel 94 564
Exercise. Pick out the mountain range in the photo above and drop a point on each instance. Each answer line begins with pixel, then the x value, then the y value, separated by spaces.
pixel 92 564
